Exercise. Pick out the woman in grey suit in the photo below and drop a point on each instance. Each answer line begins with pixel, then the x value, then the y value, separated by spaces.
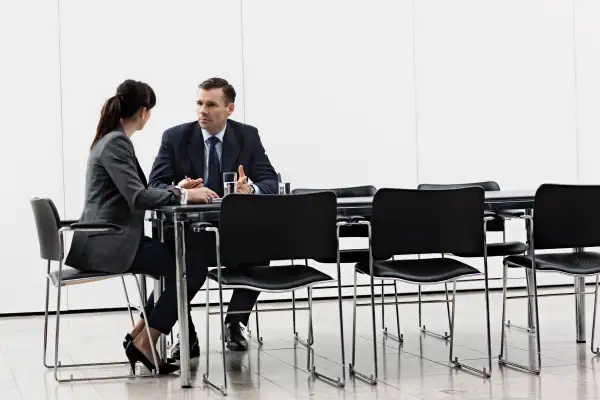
pixel 117 192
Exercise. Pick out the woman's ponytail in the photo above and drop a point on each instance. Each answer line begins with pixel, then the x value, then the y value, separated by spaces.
pixel 110 118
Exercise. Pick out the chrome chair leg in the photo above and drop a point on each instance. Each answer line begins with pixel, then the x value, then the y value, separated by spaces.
pixel 46 316
pixel 351 366
pixel 58 365
pixel 445 336
pixel 383 305
pixel 486 371
pixel 532 287
pixel 372 379
pixel 57 330
pixel 424 330
pixel 259 338
pixel 297 338
pixel 399 337
pixel 596 351
pixel 128 302
pixel 503 325
pixel 205 376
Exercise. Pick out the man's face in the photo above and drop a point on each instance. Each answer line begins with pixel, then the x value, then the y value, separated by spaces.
pixel 212 109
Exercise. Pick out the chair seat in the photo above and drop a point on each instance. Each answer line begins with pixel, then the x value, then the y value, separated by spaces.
pixel 425 270
pixel 348 256
pixel 72 276
pixel 583 263
pixel 270 278
pixel 499 249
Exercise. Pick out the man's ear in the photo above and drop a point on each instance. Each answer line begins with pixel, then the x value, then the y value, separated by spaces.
pixel 231 108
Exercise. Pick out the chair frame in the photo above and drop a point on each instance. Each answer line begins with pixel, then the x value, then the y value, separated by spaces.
pixel 534 310
pixel 505 216
pixel 65 226
pixel 454 361
pixel 310 363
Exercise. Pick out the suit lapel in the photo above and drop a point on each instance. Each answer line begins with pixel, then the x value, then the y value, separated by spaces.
pixel 140 172
pixel 231 150
pixel 195 150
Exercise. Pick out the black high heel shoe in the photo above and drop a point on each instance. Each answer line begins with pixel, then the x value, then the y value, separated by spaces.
pixel 128 339
pixel 134 355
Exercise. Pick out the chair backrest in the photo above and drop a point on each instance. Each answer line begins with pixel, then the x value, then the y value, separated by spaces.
pixel 356 191
pixel 495 225
pixel 347 231
pixel 409 221
pixel 566 216
pixel 488 186
pixel 258 229
pixel 47 223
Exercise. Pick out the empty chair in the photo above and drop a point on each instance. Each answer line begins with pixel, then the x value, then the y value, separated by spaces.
pixel 349 230
pixel 497 224
pixel 413 222
pixel 564 216
pixel 253 229
pixel 51 230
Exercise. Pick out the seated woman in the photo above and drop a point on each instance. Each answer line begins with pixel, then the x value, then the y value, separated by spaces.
pixel 116 191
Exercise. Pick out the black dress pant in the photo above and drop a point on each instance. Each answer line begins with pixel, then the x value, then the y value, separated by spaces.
pixel 155 259
pixel 200 254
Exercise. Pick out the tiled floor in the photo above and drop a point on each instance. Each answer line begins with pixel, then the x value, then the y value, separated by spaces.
pixel 416 370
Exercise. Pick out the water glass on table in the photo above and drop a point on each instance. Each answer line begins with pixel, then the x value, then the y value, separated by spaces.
pixel 284 188
pixel 229 183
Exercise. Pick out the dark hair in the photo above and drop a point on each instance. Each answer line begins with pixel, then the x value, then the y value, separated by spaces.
pixel 219 83
pixel 130 97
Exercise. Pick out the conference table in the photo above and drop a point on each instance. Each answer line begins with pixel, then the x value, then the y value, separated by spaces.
pixel 180 215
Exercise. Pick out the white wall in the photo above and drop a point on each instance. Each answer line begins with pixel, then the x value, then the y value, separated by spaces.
pixel 31 161
pixel 393 93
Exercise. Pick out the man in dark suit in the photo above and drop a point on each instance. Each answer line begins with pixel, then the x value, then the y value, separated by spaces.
pixel 200 152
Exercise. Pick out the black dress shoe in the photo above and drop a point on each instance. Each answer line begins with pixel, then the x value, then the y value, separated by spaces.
pixel 194 349
pixel 234 338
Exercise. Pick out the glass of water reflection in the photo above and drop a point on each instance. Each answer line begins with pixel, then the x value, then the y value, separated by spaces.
pixel 229 183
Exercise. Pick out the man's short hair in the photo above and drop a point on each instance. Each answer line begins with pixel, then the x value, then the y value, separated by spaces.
pixel 219 83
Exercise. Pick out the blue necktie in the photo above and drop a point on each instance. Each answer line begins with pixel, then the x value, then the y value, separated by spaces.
pixel 214 167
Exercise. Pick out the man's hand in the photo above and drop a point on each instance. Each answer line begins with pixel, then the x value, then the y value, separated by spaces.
pixel 242 184
pixel 188 183
pixel 202 195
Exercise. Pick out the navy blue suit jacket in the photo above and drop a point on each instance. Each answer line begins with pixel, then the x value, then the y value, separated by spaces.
pixel 181 154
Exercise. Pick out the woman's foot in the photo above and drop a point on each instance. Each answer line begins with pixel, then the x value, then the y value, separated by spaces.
pixel 129 338
pixel 134 355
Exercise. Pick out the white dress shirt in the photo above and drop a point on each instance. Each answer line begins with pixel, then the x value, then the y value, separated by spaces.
pixel 219 147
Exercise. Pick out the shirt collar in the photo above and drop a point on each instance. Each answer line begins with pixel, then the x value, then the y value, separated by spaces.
pixel 207 135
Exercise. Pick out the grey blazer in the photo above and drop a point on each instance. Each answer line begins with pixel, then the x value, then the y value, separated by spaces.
pixel 116 191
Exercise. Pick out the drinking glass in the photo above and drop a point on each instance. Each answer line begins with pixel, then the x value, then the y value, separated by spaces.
pixel 284 188
pixel 229 183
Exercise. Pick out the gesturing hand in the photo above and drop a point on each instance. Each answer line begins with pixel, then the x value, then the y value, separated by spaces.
pixel 242 184
pixel 188 183
pixel 201 195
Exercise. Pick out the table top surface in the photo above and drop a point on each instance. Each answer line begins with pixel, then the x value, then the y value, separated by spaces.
pixel 490 197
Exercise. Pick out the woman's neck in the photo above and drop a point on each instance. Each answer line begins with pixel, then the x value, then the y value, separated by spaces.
pixel 129 127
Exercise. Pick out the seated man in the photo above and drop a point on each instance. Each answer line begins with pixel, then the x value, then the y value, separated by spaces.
pixel 198 153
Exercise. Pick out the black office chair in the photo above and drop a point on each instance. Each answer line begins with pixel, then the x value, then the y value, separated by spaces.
pixel 564 216
pixel 414 222
pixel 499 249
pixel 50 231
pixel 254 229
pixel 351 230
